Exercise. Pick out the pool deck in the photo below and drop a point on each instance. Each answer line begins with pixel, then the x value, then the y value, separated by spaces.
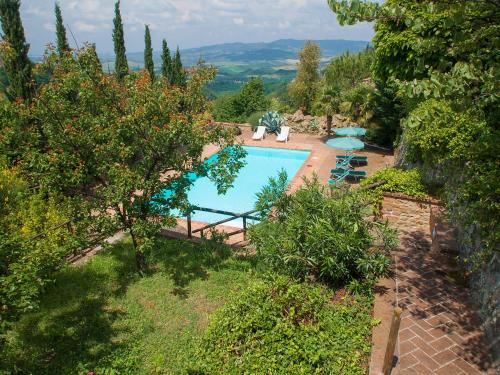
pixel 320 161
pixel 322 157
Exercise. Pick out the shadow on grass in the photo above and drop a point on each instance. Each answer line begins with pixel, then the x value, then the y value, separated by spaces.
pixel 186 262
pixel 73 330
pixel 80 325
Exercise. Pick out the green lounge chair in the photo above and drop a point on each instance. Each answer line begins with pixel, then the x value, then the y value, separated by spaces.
pixel 353 159
pixel 338 174
pixel 343 163
pixel 348 173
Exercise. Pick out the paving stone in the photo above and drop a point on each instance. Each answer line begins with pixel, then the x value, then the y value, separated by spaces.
pixel 407 360
pixel 406 334
pixel 426 360
pixel 422 345
pixel 442 343
pixel 422 334
pixel 418 369
pixel 449 369
pixel 443 357
pixel 439 331
pixel 466 367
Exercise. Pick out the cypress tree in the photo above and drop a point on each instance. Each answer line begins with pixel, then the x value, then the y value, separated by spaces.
pixel 62 41
pixel 178 75
pixel 166 59
pixel 148 54
pixel 121 64
pixel 17 64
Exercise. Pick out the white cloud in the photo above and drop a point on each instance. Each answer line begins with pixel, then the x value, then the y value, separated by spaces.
pixel 83 26
pixel 190 23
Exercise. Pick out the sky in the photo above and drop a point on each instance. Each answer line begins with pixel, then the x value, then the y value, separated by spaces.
pixel 187 23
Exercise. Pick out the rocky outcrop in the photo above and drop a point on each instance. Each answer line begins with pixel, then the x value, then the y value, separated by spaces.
pixel 300 123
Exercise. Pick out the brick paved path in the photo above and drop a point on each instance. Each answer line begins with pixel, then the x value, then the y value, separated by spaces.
pixel 439 330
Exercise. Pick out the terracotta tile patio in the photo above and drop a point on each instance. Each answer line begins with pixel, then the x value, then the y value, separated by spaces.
pixel 322 158
pixel 439 331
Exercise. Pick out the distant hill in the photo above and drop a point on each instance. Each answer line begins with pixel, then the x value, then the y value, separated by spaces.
pixel 274 61
pixel 282 49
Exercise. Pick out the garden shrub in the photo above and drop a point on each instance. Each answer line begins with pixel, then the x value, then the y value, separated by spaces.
pixel 279 326
pixel 435 132
pixel 322 233
pixel 408 182
pixel 254 118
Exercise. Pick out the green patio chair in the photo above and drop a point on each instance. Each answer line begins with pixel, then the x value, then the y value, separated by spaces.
pixel 353 159
pixel 348 173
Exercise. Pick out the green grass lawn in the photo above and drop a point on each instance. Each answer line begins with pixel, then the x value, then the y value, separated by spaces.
pixel 102 315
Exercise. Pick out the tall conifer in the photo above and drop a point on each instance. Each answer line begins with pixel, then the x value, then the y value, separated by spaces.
pixel 17 64
pixel 62 41
pixel 148 54
pixel 121 64
pixel 166 59
pixel 178 74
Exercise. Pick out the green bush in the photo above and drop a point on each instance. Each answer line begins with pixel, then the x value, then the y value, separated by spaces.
pixel 283 327
pixel 408 182
pixel 436 132
pixel 322 233
pixel 254 118
pixel 238 107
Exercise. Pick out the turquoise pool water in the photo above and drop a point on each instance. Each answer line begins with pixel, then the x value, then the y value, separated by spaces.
pixel 261 163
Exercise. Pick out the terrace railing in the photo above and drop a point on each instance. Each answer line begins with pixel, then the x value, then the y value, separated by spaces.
pixel 249 215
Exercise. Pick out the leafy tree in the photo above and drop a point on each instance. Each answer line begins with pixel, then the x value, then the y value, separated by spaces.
pixel 251 98
pixel 240 106
pixel 223 108
pixel 123 150
pixel 14 51
pixel 441 60
pixel 148 54
pixel 121 64
pixel 303 89
pixel 62 41
pixel 343 73
pixel 178 74
pixel 166 59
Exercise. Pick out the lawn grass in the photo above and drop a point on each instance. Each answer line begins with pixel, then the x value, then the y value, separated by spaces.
pixel 102 315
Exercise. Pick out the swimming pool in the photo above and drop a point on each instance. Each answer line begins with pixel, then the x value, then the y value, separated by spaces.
pixel 261 163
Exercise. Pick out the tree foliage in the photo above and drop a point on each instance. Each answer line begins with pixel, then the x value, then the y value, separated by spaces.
pixel 61 39
pixel 117 146
pixel 441 60
pixel 33 244
pixel 239 107
pixel 14 51
pixel 148 54
pixel 178 73
pixel 166 62
pixel 121 64
pixel 303 88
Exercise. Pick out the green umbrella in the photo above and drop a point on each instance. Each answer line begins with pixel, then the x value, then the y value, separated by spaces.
pixel 346 143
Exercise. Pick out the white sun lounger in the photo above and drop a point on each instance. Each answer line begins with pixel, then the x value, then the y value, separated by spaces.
pixel 260 133
pixel 284 134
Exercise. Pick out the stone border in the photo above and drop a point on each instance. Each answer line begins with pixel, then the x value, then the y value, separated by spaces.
pixel 428 200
